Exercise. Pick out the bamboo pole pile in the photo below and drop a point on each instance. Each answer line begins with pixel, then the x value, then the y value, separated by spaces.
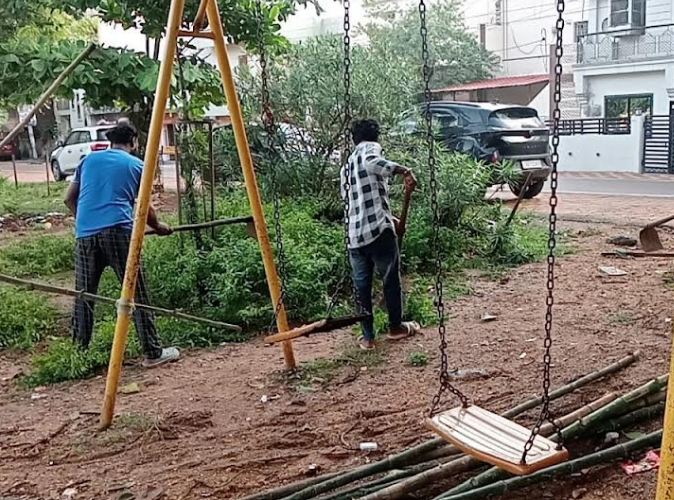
pixel 430 469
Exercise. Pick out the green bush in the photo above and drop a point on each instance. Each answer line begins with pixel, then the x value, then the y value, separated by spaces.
pixel 38 256
pixel 417 359
pixel 25 318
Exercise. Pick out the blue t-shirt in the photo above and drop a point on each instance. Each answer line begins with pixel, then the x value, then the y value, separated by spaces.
pixel 109 182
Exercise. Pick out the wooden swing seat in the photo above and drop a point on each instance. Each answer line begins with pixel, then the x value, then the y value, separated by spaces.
pixel 323 325
pixel 495 440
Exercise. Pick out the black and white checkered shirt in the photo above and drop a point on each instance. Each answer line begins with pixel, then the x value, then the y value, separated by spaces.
pixel 369 208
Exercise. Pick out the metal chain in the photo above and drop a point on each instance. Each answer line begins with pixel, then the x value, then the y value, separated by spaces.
pixel 269 125
pixel 445 384
pixel 346 180
pixel 552 241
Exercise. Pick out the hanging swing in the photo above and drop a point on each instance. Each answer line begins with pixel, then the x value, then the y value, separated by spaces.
pixel 478 432
pixel 330 322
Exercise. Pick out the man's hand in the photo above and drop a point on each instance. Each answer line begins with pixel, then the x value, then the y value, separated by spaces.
pixel 410 180
pixel 163 229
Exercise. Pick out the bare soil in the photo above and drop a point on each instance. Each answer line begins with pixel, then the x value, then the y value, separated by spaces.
pixel 200 428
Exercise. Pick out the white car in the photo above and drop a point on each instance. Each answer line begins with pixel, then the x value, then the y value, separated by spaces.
pixel 79 143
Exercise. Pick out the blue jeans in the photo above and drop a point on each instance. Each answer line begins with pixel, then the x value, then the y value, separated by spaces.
pixel 382 256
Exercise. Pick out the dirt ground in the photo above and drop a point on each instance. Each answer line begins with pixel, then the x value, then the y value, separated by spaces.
pixel 200 428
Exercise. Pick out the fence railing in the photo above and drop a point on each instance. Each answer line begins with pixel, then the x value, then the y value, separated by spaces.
pixel 621 46
pixel 597 126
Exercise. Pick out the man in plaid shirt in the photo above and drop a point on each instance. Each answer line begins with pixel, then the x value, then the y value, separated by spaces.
pixel 373 244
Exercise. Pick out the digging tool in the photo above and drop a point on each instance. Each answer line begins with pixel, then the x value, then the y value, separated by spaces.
pixel 401 223
pixel 648 236
pixel 324 325
pixel 248 220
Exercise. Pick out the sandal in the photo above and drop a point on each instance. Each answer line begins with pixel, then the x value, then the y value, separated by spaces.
pixel 366 345
pixel 407 329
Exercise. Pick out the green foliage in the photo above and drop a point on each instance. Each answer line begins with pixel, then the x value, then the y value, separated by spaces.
pixel 417 359
pixel 30 198
pixel 25 318
pixel 38 256
pixel 419 305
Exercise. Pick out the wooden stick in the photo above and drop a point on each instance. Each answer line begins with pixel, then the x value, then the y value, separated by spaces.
pixel 205 225
pixel 16 177
pixel 523 191
pixel 601 457
pixel 46 95
pixel 46 169
pixel 43 287
pixel 408 456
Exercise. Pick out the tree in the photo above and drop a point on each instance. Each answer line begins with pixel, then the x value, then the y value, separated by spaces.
pixel 116 77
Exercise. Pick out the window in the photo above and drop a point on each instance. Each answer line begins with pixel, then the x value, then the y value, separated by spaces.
pixel 73 138
pixel 580 30
pixel 628 12
pixel 101 134
pixel 623 106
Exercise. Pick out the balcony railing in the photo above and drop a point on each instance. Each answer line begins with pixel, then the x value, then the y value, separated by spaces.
pixel 595 126
pixel 626 46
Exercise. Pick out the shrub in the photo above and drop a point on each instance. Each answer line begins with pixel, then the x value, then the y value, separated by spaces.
pixel 25 318
pixel 417 358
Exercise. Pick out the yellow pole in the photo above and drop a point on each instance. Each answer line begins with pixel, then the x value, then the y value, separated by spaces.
pixel 125 304
pixel 234 106
pixel 665 489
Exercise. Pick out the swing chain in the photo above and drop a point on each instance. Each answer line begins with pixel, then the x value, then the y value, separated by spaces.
pixel 346 182
pixel 552 241
pixel 269 125
pixel 445 384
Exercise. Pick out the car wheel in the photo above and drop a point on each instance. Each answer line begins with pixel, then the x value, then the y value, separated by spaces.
pixel 56 171
pixel 534 189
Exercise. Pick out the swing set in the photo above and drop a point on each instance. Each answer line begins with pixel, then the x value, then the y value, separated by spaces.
pixel 476 431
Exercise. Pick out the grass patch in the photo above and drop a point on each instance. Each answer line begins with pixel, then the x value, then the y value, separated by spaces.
pixel 25 318
pixel 31 198
pixel 38 256
pixel 322 371
pixel 417 359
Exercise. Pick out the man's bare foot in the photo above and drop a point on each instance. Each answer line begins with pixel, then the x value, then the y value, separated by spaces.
pixel 406 329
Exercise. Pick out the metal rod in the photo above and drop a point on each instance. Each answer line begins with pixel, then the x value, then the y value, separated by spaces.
pixel 16 177
pixel 47 94
pixel 249 175
pixel 44 287
pixel 142 208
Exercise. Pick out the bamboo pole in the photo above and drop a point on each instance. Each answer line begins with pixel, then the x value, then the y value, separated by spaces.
pixel 467 463
pixel 200 17
pixel 665 487
pixel 252 189
pixel 46 169
pixel 282 491
pixel 142 207
pixel 619 423
pixel 44 287
pixel 408 456
pixel 601 457
pixel 46 95
pixel 620 405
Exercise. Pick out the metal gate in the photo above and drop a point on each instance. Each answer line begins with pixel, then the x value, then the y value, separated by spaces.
pixel 658 157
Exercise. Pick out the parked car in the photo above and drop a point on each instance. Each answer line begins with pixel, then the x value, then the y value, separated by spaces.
pixel 492 133
pixel 7 150
pixel 79 143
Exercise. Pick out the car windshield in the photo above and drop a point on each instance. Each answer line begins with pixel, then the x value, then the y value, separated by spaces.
pixel 101 134
pixel 515 118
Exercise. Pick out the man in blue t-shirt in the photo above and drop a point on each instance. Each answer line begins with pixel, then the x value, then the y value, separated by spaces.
pixel 102 197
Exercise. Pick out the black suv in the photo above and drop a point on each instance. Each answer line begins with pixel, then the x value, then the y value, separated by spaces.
pixel 491 133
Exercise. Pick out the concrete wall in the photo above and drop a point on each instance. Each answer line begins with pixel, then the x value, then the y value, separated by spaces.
pixel 603 153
